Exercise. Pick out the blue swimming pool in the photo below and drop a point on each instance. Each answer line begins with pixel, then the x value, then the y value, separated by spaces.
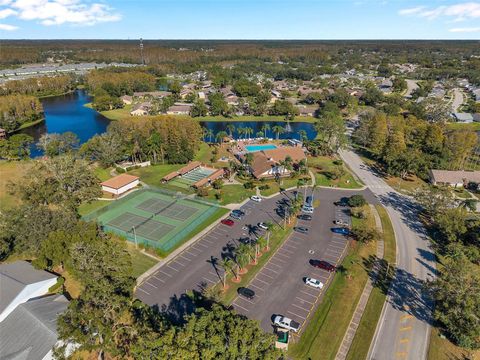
pixel 253 148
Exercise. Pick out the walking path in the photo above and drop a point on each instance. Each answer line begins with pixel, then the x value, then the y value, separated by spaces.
pixel 362 303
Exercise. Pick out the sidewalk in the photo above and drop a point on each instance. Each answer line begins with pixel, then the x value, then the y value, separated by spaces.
pixel 362 303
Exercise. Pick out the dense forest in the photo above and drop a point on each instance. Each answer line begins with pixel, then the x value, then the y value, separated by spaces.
pixel 436 58
pixel 16 110
pixel 41 86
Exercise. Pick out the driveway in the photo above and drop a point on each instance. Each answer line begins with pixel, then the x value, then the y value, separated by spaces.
pixel 403 331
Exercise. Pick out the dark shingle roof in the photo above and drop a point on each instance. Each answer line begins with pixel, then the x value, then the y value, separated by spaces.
pixel 30 331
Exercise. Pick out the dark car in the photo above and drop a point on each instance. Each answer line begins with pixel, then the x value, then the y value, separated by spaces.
pixel 235 216
pixel 305 217
pixel 342 202
pixel 301 229
pixel 238 212
pixel 321 264
pixel 341 231
pixel 228 222
pixel 246 292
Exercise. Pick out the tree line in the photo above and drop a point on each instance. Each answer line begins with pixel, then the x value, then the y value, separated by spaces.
pixel 40 86
pixel 16 110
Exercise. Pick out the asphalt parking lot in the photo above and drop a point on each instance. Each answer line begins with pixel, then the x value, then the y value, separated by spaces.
pixel 279 286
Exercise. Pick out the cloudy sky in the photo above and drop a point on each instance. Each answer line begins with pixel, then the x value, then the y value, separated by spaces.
pixel 239 19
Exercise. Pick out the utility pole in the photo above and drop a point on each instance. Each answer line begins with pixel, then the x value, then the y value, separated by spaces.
pixel 135 237
pixel 141 51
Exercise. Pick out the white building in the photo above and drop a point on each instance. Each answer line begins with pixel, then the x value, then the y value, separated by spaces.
pixel 120 184
pixel 19 282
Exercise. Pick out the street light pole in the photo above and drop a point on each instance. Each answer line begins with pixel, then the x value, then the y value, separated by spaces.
pixel 135 237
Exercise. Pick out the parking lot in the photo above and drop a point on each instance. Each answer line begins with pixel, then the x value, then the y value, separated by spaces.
pixel 279 286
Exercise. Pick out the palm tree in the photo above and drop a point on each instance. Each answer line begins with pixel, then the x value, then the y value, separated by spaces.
pixel 288 163
pixel 277 129
pixel 209 134
pixel 230 129
pixel 240 132
pixel 248 131
pixel 220 136
pixel 227 265
pixel 242 253
pixel 303 135
pixel 259 134
pixel 265 127
pixel 269 230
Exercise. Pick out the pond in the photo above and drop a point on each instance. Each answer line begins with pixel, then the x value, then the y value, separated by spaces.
pixel 68 113
pixel 292 129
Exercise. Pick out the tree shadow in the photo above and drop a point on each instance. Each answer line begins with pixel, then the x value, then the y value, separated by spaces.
pixel 178 307
pixel 216 266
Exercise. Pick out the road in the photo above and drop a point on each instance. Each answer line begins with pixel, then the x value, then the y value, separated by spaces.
pixel 404 328
pixel 279 285
pixel 457 99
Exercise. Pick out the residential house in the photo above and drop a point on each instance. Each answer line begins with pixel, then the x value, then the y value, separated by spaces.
pixel 152 94
pixel 3 134
pixel 276 95
pixel 20 281
pixel 141 109
pixel 268 163
pixel 126 99
pixel 179 109
pixel 454 178
pixel 386 86
pixel 438 91
pixel 231 99
pixel 476 118
pixel 476 94
pixel 462 117
pixel 306 110
pixel 29 332
pixel 120 184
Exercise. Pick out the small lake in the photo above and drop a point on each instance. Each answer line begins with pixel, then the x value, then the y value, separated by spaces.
pixel 68 113
pixel 292 129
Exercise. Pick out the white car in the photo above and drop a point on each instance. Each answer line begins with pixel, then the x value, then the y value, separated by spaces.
pixel 263 226
pixel 256 198
pixel 286 323
pixel 314 283
pixel 307 209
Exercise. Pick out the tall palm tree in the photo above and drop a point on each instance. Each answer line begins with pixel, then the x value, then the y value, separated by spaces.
pixel 303 135
pixel 209 134
pixel 240 132
pixel 265 127
pixel 248 131
pixel 269 231
pixel 227 265
pixel 220 136
pixel 230 129
pixel 277 129
pixel 242 254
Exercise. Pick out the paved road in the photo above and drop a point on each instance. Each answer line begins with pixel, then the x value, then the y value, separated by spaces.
pixel 404 328
pixel 457 99
pixel 199 264
pixel 411 86
pixel 279 286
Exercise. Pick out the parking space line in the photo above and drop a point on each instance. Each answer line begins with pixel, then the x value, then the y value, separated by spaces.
pixel 163 272
pixel 146 292
pixel 243 299
pixel 262 280
pixel 336 246
pixel 281 260
pixel 171 267
pixel 178 263
pixel 271 262
pixel 215 274
pixel 299 298
pixel 190 253
pixel 280 254
pixel 290 252
pixel 307 293
pixel 255 286
pixel 200 243
pixel 161 280
pixel 146 282
pixel 307 310
pixel 213 282
pixel 241 307
pixel 266 268
pixel 261 273
pixel 294 247
pixel 301 317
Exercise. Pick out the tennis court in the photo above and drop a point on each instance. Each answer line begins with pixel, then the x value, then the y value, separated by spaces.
pixel 154 217
pixel 186 180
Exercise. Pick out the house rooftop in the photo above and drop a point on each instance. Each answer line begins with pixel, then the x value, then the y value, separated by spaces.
pixel 14 277
pixel 455 177
pixel 119 181
pixel 30 331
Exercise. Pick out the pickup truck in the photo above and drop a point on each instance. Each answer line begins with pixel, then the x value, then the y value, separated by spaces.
pixel 286 323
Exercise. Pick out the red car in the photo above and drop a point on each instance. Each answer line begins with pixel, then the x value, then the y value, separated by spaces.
pixel 323 265
pixel 227 222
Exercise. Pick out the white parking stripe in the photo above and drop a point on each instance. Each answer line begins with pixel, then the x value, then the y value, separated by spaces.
pixel 241 307
pixel 163 272
pixel 176 262
pixel 146 292
pixel 290 252
pixel 271 263
pixel 262 273
pixel 262 280
pixel 301 308
pixel 280 254
pixel 307 293
pixel 266 268
pixel 161 280
pixel 171 267
pixel 335 246
pixel 203 245
pixel 185 258
pixel 301 317
pixel 199 250
pixel 255 286
pixel 190 253
pixel 277 259
pixel 290 246
pixel 213 282
pixel 244 299
pixel 146 282
pixel 303 300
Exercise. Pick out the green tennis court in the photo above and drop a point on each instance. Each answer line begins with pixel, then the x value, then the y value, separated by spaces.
pixel 154 217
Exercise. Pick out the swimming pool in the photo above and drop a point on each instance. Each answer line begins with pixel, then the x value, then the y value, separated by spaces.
pixel 253 148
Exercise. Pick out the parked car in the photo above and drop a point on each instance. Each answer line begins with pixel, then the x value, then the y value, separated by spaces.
pixel 235 216
pixel 228 222
pixel 314 283
pixel 307 209
pixel 246 292
pixel 286 323
pixel 238 212
pixel 301 229
pixel 305 217
pixel 342 202
pixel 263 226
pixel 341 231
pixel 341 223
pixel 256 198
pixel 321 264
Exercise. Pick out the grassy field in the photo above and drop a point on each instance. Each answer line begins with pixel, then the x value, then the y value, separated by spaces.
pixel 140 261
pixel 87 208
pixel 459 126
pixel 443 349
pixel 322 166
pixel 231 194
pixel 326 329
pixel 368 323
pixel 152 175
pixel 102 174
pixel 118 114
pixel 406 186
pixel 10 172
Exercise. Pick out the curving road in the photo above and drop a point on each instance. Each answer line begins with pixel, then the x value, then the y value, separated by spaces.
pixel 403 330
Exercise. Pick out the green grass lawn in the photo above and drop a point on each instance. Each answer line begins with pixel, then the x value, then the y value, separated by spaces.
pixel 103 174
pixel 443 349
pixel 10 172
pixel 459 126
pixel 324 333
pixel 140 261
pixel 152 175
pixel 274 187
pixel 322 166
pixel 87 208
pixel 118 114
pixel 406 186
pixel 231 194
pixel 368 323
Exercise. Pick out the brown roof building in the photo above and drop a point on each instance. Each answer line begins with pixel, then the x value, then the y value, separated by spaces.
pixel 454 178
pixel 267 163
pixel 120 184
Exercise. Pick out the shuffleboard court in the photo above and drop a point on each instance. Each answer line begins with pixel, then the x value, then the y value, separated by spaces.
pixel 161 219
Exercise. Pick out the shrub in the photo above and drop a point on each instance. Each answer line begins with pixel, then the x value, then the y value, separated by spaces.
pixel 119 170
pixel 264 187
pixel 338 162
pixel 202 191
pixel 357 201
pixel 249 185
pixel 58 284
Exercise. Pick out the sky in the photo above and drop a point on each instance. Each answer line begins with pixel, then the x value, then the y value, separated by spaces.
pixel 239 19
